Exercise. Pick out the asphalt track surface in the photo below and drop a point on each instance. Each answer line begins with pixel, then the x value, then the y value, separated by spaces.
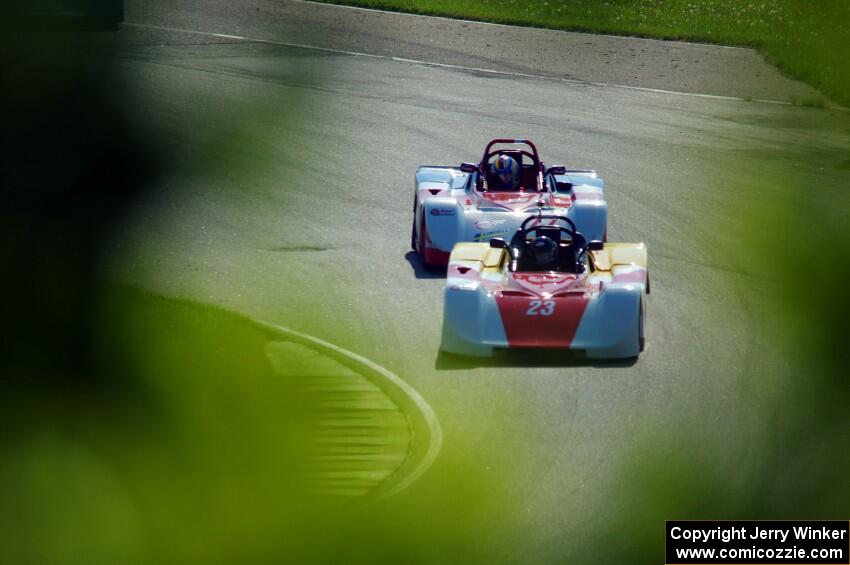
pixel 293 206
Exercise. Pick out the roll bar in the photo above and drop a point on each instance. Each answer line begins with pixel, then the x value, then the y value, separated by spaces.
pixel 505 141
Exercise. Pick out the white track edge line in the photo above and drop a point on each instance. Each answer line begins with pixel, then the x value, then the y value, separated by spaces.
pixel 464 68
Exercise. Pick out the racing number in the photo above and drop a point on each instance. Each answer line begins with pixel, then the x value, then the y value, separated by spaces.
pixel 541 307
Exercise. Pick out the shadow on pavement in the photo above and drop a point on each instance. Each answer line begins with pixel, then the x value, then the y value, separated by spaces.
pixel 421 270
pixel 526 358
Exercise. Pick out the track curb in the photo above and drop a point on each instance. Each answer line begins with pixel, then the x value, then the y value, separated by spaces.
pixel 425 430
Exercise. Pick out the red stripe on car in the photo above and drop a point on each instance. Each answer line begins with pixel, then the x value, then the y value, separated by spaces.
pixel 541 322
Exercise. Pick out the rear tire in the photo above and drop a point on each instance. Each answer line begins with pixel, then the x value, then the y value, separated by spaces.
pixel 413 235
pixel 420 238
pixel 641 329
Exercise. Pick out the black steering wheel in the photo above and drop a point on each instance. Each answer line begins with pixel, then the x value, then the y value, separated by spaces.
pixel 571 230
pixel 576 238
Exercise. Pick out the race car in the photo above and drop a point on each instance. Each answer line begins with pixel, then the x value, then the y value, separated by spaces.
pixel 548 287
pixel 469 203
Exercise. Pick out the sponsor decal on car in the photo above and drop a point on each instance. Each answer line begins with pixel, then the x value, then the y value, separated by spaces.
pixel 487 236
pixel 487 224
pixel 442 211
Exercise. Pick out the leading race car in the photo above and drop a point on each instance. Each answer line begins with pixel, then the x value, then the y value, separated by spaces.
pixel 477 202
pixel 546 288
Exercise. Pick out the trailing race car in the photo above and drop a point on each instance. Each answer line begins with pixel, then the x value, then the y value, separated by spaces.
pixel 477 202
pixel 547 288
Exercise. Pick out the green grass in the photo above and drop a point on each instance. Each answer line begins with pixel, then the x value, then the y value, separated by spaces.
pixel 807 39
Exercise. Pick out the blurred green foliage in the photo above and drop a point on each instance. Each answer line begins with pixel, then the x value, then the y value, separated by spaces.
pixel 204 462
pixel 807 246
pixel 808 39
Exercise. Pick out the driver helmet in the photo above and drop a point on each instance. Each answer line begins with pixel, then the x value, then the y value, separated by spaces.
pixel 545 251
pixel 505 171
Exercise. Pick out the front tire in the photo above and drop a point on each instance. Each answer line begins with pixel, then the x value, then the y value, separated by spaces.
pixel 413 235
pixel 420 238
pixel 642 330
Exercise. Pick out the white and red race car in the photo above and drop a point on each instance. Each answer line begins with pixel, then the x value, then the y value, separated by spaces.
pixel 454 204
pixel 546 288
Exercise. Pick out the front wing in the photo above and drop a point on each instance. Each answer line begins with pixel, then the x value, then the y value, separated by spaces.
pixel 607 324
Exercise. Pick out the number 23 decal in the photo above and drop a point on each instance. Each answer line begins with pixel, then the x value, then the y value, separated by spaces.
pixel 541 307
